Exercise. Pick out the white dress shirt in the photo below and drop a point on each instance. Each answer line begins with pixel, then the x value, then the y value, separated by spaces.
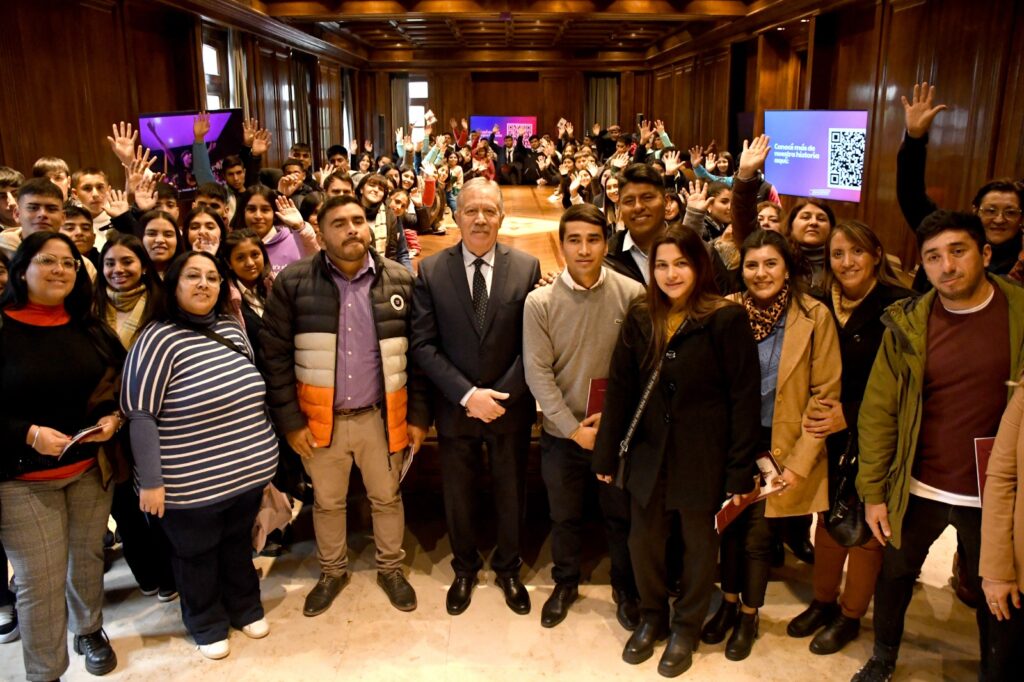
pixel 638 255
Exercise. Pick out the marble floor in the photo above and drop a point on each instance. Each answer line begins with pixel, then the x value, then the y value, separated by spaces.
pixel 363 638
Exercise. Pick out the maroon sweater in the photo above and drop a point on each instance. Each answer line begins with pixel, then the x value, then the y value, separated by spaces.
pixel 967 365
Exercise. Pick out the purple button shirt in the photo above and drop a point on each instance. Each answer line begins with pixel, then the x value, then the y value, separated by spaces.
pixel 357 378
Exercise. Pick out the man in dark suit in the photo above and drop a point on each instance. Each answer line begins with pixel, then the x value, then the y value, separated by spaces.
pixel 506 166
pixel 467 332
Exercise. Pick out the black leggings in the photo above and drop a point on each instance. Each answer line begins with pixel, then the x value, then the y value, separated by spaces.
pixel 746 555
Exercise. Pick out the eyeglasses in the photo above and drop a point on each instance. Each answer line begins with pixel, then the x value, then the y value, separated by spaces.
pixel 992 212
pixel 194 278
pixel 45 260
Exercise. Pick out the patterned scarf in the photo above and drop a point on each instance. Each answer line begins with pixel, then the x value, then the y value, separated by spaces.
pixel 764 319
pixel 132 302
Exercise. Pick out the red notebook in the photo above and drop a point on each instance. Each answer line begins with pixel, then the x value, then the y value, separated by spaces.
pixel 595 396
pixel 770 482
pixel 982 451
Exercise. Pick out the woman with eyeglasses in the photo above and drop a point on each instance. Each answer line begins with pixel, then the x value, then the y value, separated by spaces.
pixel 204 449
pixel 59 368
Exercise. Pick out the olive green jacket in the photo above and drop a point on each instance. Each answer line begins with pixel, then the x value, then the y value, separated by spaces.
pixel 890 415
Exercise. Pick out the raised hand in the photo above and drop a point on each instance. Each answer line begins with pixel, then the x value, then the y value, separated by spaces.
pixel 353 146
pixel 399 133
pixel 711 161
pixel 465 124
pixel 368 146
pixel 568 128
pixel 261 142
pixel 287 185
pixel 249 128
pixel 136 170
pixel 620 160
pixel 452 123
pixel 117 203
pixel 321 175
pixel 287 213
pixel 697 196
pixel 659 126
pixel 595 129
pixel 565 167
pixel 645 131
pixel 753 156
pixel 543 162
pixel 123 142
pixel 145 194
pixel 201 126
pixel 696 155
pixel 919 112
pixel 671 161
pixel 574 186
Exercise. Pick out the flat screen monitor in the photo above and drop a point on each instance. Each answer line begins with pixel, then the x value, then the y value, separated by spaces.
pixel 169 136
pixel 507 125
pixel 817 153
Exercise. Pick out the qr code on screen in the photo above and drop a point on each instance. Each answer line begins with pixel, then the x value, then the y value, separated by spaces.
pixel 846 157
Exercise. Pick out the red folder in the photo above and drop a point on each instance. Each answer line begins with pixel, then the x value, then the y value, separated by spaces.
pixel 595 396
pixel 770 482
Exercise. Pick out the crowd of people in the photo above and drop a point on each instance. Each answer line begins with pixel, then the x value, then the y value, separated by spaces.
pixel 279 331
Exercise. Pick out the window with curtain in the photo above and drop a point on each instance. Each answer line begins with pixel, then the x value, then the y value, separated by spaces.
pixel 602 101
pixel 216 69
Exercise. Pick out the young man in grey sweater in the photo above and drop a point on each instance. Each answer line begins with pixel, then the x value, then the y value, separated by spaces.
pixel 569 331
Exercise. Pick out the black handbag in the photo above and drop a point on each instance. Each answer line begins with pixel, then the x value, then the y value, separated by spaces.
pixel 844 520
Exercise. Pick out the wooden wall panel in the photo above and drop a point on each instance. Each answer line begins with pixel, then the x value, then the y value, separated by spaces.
pixel 329 109
pixel 507 94
pixel 563 95
pixel 166 72
pixel 1009 145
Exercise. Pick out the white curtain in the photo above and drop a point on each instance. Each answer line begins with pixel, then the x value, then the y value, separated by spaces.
pixel 399 108
pixel 348 125
pixel 602 102
pixel 238 92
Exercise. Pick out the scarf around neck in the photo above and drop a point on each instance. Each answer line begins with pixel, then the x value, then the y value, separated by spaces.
pixel 764 318
pixel 133 302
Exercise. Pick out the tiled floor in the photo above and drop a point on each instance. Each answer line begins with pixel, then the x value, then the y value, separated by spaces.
pixel 363 638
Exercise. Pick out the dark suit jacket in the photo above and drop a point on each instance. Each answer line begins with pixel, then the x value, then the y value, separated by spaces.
pixel 623 263
pixel 700 428
pixel 455 356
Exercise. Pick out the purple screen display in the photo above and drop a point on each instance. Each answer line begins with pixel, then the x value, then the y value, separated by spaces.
pixel 507 125
pixel 817 153
pixel 169 136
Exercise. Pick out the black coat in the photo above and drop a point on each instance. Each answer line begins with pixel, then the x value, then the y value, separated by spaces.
pixel 701 426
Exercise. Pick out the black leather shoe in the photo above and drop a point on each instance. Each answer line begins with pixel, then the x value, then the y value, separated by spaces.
pixel 460 594
pixel 628 610
pixel 677 657
pixel 556 608
pixel 398 589
pixel 815 616
pixel 875 670
pixel 641 643
pixel 717 629
pixel 837 634
pixel 322 595
pixel 802 550
pixel 743 636
pixel 99 655
pixel 516 596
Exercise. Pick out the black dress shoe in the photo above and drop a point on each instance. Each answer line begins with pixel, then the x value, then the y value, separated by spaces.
pixel 460 594
pixel 743 636
pixel 817 615
pixel 641 643
pixel 802 549
pixel 677 657
pixel 627 611
pixel 516 596
pixel 556 608
pixel 99 655
pixel 875 670
pixel 322 595
pixel 717 629
pixel 399 591
pixel 837 634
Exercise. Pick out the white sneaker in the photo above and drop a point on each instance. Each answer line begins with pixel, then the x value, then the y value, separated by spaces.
pixel 257 629
pixel 215 651
pixel 8 624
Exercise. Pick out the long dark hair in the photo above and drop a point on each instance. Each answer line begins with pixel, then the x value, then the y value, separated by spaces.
pixel 170 311
pixel 817 203
pixel 228 245
pixel 149 279
pixel 703 301
pixel 238 221
pixel 203 210
pixel 761 238
pixel 150 216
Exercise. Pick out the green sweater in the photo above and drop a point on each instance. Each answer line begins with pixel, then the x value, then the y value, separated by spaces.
pixel 568 338
pixel 890 415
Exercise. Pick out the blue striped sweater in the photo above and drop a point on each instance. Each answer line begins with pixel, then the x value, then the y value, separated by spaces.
pixel 207 404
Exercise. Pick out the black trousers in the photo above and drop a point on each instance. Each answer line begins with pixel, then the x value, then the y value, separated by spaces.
pixel 461 470
pixel 648 535
pixel 212 560
pixel 923 523
pixel 145 546
pixel 565 468
pixel 746 555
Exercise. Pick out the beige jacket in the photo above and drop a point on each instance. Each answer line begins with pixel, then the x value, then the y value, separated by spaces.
pixel 810 368
pixel 1002 508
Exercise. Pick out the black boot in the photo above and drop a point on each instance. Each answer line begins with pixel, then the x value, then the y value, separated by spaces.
pixel 640 646
pixel 99 655
pixel 677 657
pixel 716 629
pixel 837 634
pixel 743 636
pixel 815 616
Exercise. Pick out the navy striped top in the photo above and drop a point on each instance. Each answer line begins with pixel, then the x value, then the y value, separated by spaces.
pixel 208 405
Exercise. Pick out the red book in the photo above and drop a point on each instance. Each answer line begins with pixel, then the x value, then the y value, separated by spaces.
pixel 595 396
pixel 982 451
pixel 769 481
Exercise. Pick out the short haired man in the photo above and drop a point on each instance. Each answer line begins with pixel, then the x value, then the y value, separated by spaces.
pixel 90 188
pixel 588 301
pixel 215 197
pixel 10 181
pixel 506 166
pixel 337 158
pixel 339 184
pixel 54 169
pixel 468 339
pixel 78 226
pixel 234 173
pixel 938 383
pixel 302 152
pixel 334 340
pixel 39 207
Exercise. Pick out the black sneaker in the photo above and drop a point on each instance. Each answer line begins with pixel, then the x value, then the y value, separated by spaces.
pixel 8 624
pixel 398 589
pixel 322 595
pixel 875 670
pixel 99 655
pixel 166 595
